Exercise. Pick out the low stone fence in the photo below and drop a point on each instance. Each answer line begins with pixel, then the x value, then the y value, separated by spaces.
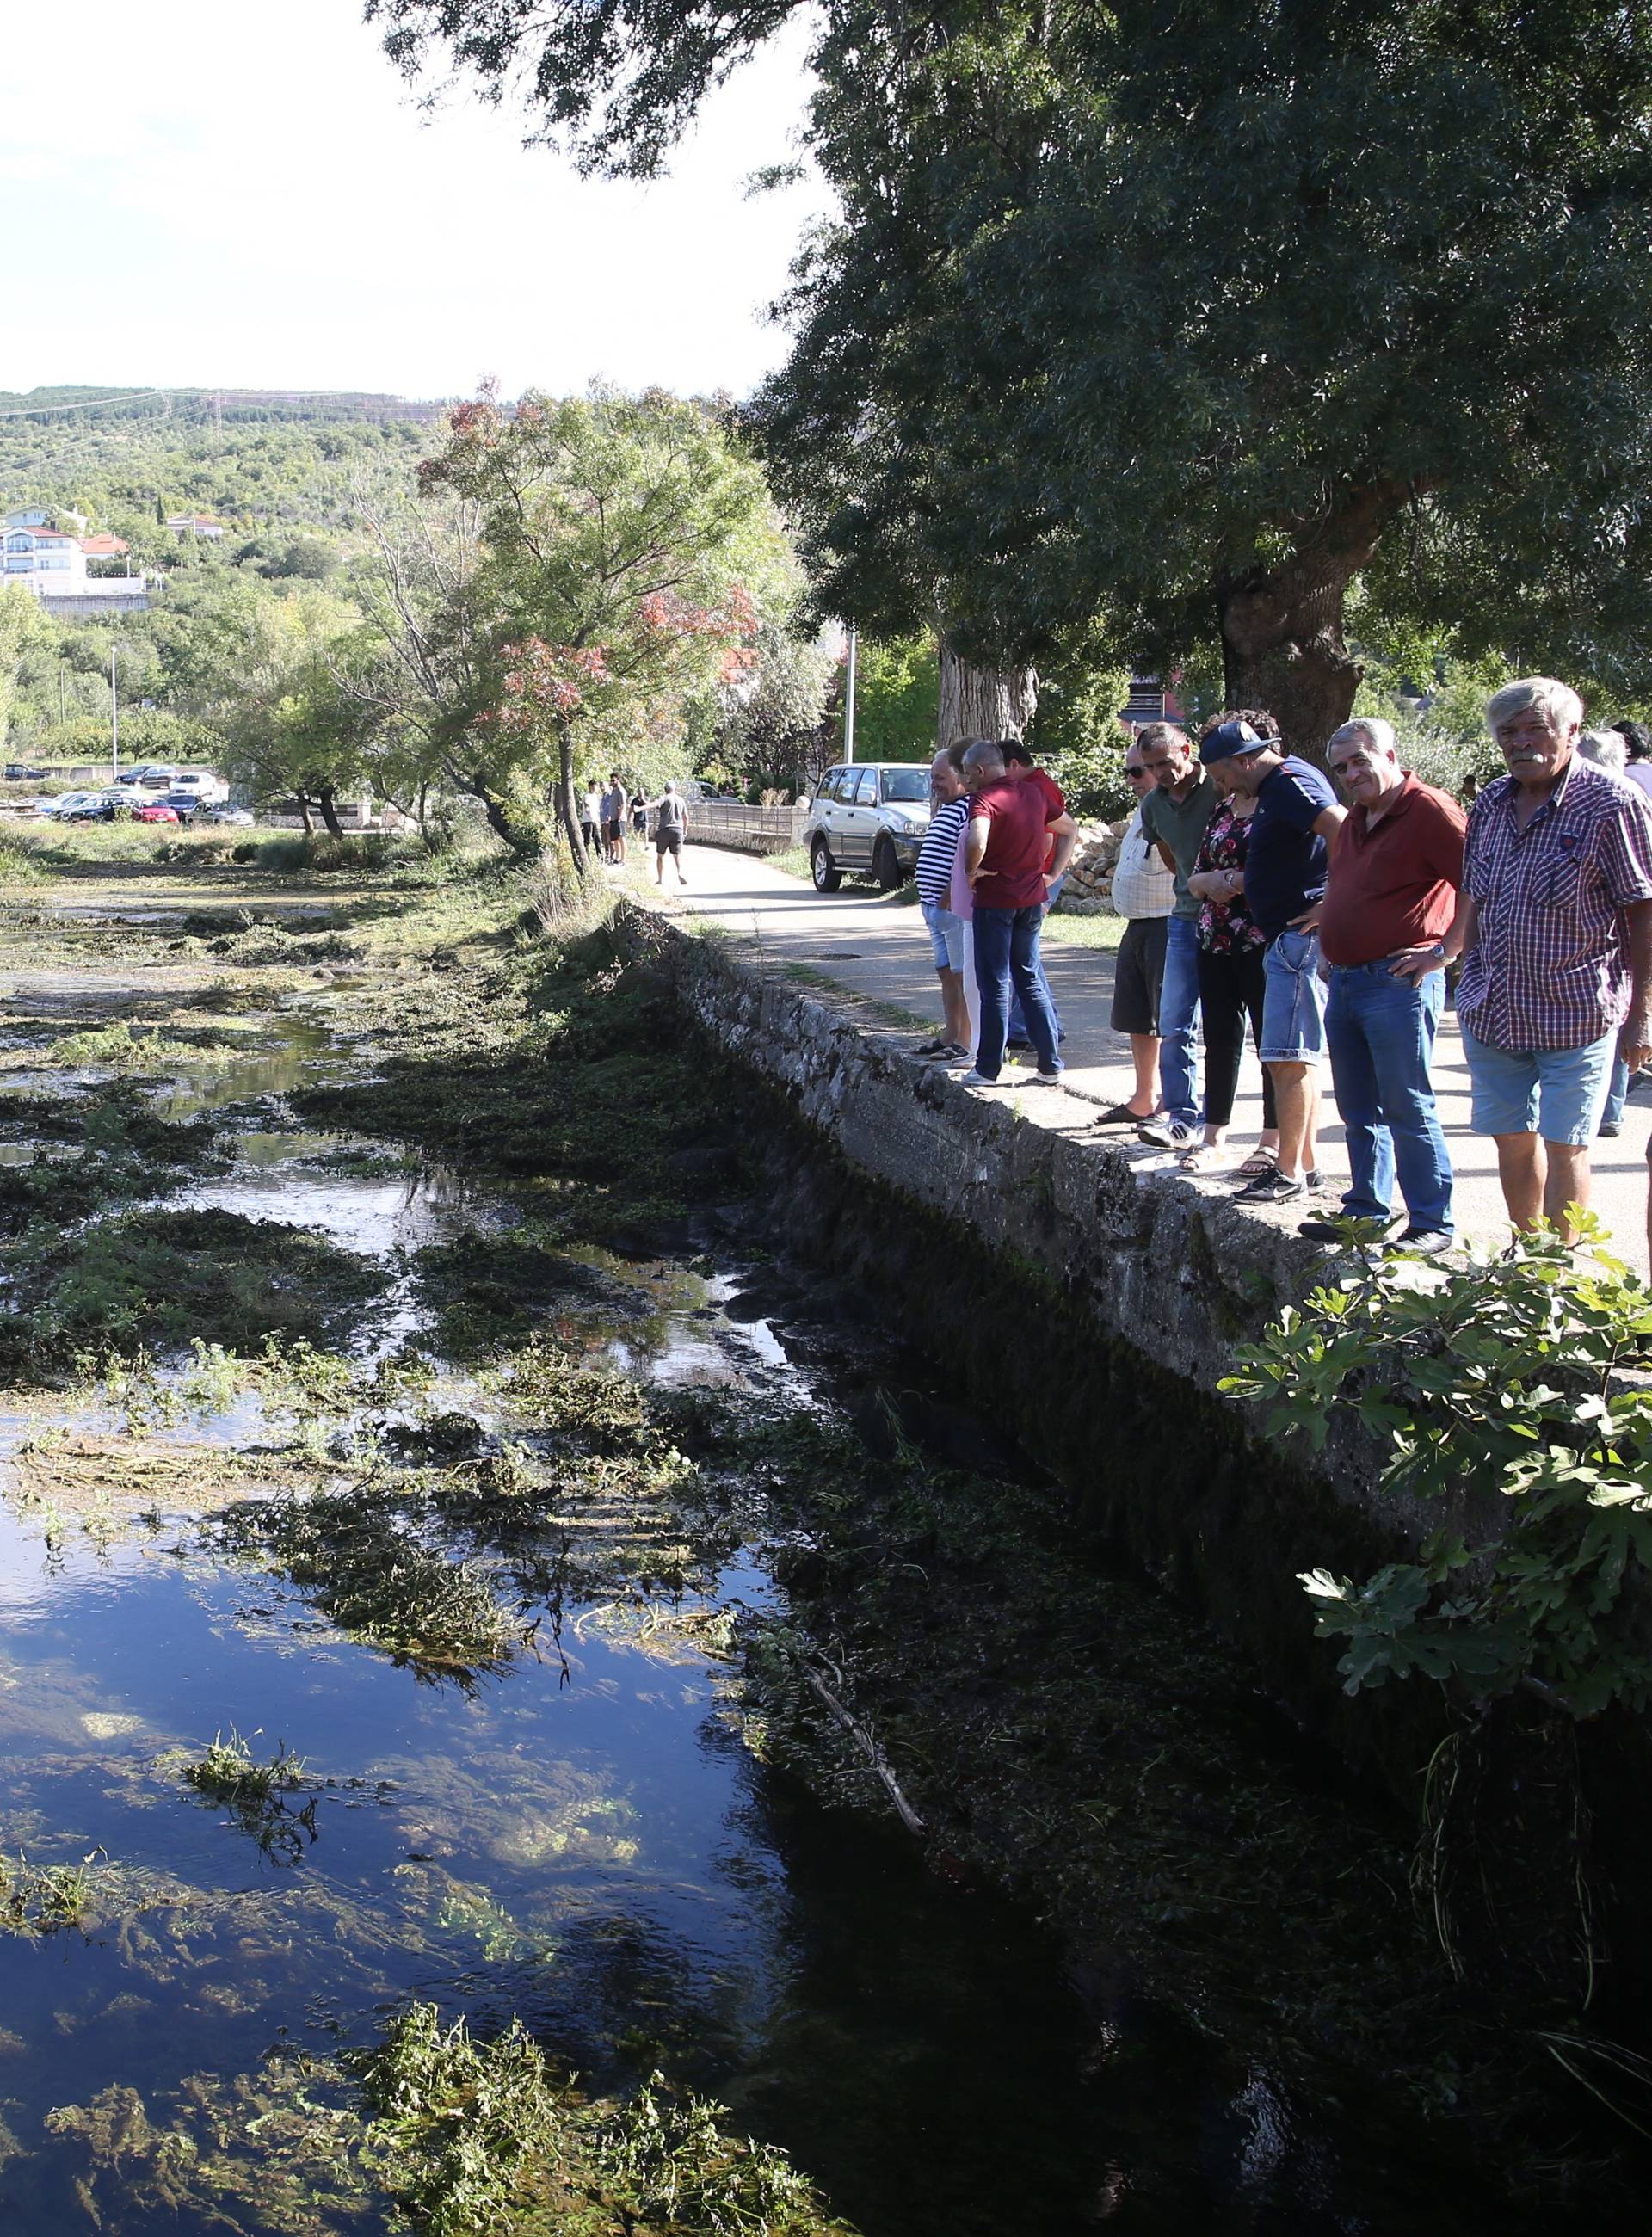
pixel 754 830
pixel 1089 875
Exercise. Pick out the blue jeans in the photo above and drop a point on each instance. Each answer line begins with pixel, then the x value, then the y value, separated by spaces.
pixel 1179 1022
pixel 1380 1031
pixel 1007 949
pixel 1017 1023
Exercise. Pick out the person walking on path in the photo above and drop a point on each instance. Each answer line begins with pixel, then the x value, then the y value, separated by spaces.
pixel 1231 980
pixel 1385 926
pixel 1556 940
pixel 671 829
pixel 1021 768
pixel 1143 892
pixel 947 932
pixel 590 816
pixel 1005 855
pixel 1296 814
pixel 613 818
pixel 1174 816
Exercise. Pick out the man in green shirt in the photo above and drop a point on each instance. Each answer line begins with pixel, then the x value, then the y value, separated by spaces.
pixel 1174 816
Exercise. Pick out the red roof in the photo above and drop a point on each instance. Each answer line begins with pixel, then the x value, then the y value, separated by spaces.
pixel 49 535
pixel 103 545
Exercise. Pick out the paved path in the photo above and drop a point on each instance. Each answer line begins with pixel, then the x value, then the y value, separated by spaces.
pixel 879 949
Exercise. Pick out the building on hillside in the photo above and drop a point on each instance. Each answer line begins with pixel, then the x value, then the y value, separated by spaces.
pixel 42 558
pixel 63 517
pixel 201 526
pixel 51 564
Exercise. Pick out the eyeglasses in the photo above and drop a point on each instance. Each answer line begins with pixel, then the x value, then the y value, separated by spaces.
pixel 1137 775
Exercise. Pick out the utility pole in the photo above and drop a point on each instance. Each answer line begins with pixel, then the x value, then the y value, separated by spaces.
pixel 849 703
pixel 113 721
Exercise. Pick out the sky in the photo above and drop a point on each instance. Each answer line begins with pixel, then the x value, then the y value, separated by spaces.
pixel 220 194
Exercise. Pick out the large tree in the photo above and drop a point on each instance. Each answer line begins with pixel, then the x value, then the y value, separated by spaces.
pixel 1189 313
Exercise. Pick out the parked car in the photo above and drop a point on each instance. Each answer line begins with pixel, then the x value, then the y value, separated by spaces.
pixel 148 776
pixel 243 817
pixel 205 788
pixel 21 770
pixel 70 803
pixel 154 811
pixel 92 808
pixel 868 816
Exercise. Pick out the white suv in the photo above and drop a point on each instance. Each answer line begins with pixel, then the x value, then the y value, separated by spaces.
pixel 868 816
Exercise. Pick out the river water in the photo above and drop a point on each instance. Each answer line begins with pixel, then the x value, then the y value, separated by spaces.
pixel 575 1835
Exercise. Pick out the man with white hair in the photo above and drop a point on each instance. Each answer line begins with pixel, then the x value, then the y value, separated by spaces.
pixel 1391 898
pixel 1556 939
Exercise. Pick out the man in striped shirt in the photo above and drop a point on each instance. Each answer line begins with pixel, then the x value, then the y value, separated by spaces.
pixel 949 813
pixel 1556 933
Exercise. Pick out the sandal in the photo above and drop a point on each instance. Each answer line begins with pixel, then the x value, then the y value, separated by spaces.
pixel 1121 1115
pixel 1257 1167
pixel 1208 1157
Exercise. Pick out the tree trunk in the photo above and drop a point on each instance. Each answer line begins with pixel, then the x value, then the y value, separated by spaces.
pixel 328 805
pixel 303 815
pixel 983 703
pixel 1283 648
pixel 567 809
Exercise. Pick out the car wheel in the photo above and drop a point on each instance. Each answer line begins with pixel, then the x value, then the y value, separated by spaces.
pixel 827 876
pixel 885 867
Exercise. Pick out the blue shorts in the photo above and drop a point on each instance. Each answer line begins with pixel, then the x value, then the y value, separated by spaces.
pixel 1293 1000
pixel 1558 1093
pixel 946 936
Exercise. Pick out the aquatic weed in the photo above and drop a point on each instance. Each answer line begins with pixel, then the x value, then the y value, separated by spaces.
pixel 229 1772
pixel 42 1898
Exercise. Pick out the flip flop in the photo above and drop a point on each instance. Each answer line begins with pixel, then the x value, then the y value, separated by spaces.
pixel 1121 1115
pixel 1208 1157
pixel 1257 1167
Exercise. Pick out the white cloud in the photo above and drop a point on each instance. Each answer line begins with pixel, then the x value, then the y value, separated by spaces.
pixel 249 196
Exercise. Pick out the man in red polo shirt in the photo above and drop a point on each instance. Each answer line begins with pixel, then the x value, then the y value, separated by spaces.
pixel 1021 768
pixel 1388 924
pixel 1005 853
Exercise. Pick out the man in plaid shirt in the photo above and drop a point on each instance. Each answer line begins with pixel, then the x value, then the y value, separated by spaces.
pixel 1556 933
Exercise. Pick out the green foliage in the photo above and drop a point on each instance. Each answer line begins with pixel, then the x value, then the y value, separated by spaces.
pixel 148 734
pixel 763 732
pixel 23 624
pixel 229 1772
pixel 41 1898
pixel 478 2140
pixel 1499 1396
pixel 898 699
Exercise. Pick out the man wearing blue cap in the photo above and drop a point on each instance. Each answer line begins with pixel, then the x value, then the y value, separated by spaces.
pixel 1285 865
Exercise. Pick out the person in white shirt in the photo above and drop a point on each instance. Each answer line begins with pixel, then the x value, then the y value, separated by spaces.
pixel 1144 891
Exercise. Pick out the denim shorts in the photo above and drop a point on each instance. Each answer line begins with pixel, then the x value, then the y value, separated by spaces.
pixel 946 934
pixel 1293 1000
pixel 1558 1093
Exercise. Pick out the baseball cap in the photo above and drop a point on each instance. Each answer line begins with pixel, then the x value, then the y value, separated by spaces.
pixel 1230 738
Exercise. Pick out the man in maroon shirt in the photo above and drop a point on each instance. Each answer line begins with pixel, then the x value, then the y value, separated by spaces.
pixel 1386 930
pixel 1004 853
pixel 1021 768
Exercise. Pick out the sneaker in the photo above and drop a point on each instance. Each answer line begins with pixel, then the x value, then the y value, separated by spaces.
pixel 1170 1133
pixel 941 1047
pixel 1018 1041
pixel 973 1079
pixel 1274 1188
pixel 1608 1132
pixel 1313 1180
pixel 1042 1079
pixel 1424 1242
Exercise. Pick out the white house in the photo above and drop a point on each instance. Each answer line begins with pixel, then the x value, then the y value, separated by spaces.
pixel 200 526
pixel 43 559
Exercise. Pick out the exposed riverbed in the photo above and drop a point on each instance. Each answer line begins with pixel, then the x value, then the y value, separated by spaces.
pixel 426 1479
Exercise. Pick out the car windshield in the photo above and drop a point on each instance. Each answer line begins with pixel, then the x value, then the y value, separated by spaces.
pixel 906 784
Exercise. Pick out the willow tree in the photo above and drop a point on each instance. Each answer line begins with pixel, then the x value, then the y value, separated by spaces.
pixel 626 544
pixel 1190 312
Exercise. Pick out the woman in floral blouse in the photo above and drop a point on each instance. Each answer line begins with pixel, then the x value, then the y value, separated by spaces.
pixel 1230 982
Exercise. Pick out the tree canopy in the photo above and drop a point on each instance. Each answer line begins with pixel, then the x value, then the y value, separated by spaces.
pixel 1188 317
